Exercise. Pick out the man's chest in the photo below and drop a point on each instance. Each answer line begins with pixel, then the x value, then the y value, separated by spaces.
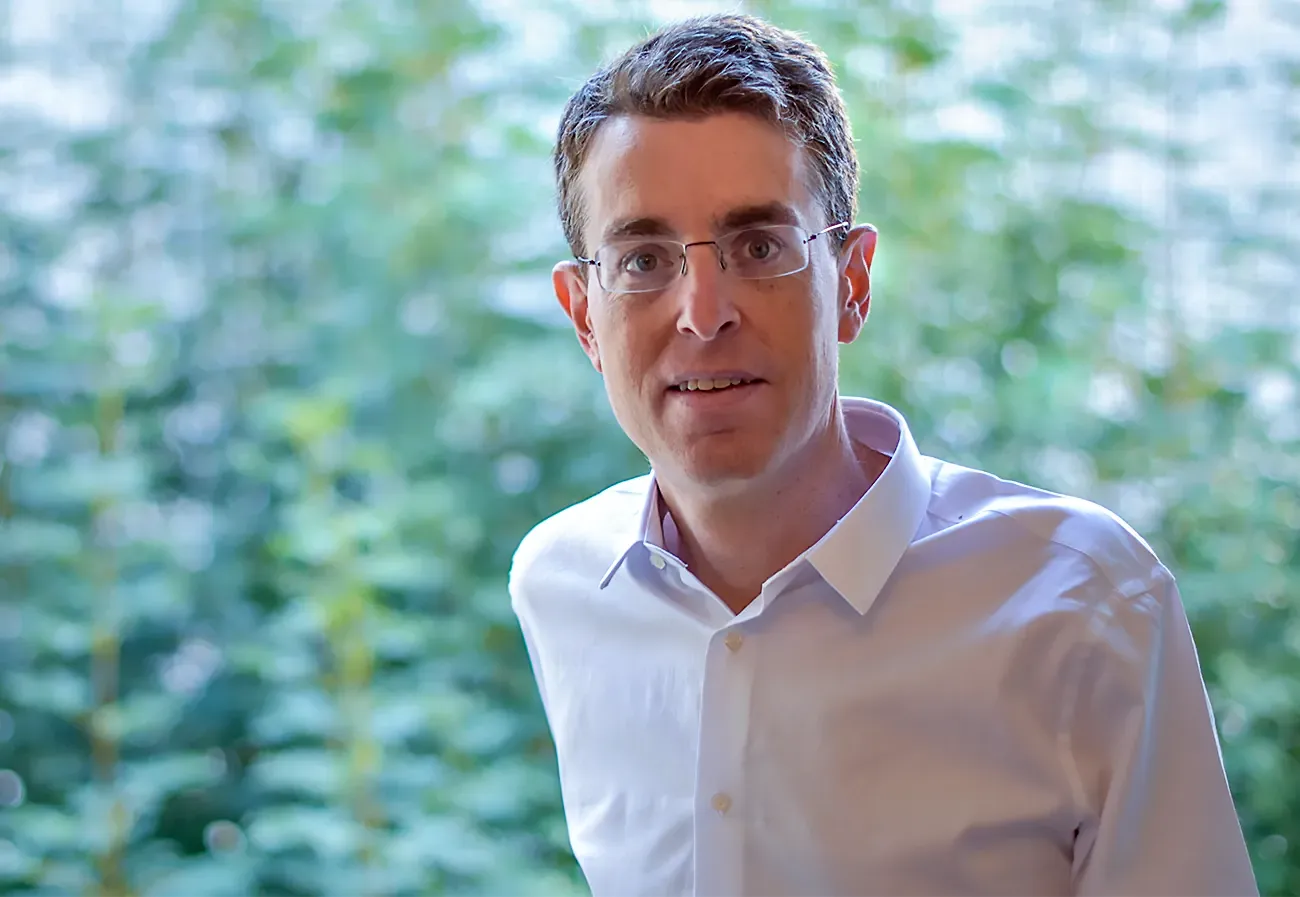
pixel 782 755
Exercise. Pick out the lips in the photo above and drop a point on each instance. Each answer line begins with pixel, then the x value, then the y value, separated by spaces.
pixel 710 381
pixel 708 384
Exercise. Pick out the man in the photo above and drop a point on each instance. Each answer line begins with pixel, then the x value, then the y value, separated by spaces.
pixel 800 657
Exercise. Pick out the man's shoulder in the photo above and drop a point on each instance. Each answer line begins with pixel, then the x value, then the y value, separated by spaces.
pixel 584 537
pixel 1067 524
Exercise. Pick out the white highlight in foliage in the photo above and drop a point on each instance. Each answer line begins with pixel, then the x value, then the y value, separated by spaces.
pixel 1019 358
pixel 1064 470
pixel 190 526
pixel 1110 396
pixel 198 423
pixel 12 790
pixel 133 349
pixel 222 837
pixel 517 473
pixel 1276 399
pixel 30 436
pixel 190 668
pixel 1273 392
pixel 421 315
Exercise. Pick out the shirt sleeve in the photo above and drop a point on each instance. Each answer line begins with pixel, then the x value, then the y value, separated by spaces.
pixel 522 611
pixel 534 660
pixel 1159 817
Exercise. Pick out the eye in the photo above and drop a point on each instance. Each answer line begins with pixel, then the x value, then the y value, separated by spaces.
pixel 644 259
pixel 641 263
pixel 759 245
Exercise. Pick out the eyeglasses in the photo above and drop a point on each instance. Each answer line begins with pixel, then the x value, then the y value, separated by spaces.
pixel 647 264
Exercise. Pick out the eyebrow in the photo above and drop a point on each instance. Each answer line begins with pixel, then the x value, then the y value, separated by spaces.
pixel 744 216
pixel 766 213
pixel 638 227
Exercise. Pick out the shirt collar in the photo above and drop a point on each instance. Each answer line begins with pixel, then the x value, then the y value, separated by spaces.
pixel 858 555
pixel 649 530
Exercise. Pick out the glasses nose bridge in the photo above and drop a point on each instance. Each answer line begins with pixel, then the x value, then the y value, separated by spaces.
pixel 722 259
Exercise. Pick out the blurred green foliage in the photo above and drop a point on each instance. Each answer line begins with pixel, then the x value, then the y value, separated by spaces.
pixel 282 385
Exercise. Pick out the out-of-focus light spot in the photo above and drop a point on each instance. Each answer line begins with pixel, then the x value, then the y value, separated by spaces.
pixel 962 376
pixel 1272 553
pixel 217 762
pixel 973 308
pixel 1157 355
pixel 1066 470
pixel 1111 397
pixel 1076 283
pixel 1233 722
pixel 961 428
pixel 190 668
pixel 525 295
pixel 75 104
pixel 1288 507
pixel 30 435
pixel 198 423
pixel 134 349
pixel 190 526
pixel 421 315
pixel 516 473
pixel 223 837
pixel 1019 358
pixel 140 521
pixel 1273 847
pixel 12 790
pixel 970 121
pixel 1273 392
pixel 1141 505
pixel 1068 85
pixel 12 860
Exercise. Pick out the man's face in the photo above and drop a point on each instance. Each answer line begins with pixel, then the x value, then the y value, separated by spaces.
pixel 694 181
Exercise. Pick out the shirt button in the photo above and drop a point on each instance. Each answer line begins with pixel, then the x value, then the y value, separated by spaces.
pixel 721 802
pixel 657 562
pixel 733 641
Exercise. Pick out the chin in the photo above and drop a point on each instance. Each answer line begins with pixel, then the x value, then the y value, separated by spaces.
pixel 719 469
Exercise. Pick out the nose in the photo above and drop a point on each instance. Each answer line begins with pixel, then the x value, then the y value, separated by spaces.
pixel 705 304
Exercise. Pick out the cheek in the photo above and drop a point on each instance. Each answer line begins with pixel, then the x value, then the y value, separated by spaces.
pixel 802 322
pixel 622 347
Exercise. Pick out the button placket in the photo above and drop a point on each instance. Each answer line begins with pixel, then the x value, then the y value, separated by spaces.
pixel 720 775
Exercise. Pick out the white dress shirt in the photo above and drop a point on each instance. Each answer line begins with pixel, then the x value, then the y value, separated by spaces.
pixel 967 686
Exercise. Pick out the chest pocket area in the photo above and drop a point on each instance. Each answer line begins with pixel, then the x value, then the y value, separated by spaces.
pixel 626 739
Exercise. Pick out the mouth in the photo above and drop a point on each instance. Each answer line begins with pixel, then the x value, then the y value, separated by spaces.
pixel 712 384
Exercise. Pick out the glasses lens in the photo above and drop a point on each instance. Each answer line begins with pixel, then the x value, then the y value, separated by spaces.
pixel 638 266
pixel 770 251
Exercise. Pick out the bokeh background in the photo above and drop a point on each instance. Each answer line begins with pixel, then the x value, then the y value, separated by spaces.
pixel 282 384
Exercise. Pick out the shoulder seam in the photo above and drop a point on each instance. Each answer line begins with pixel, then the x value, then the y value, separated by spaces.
pixel 1136 586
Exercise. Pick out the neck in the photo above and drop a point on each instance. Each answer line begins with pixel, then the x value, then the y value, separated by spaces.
pixel 735 540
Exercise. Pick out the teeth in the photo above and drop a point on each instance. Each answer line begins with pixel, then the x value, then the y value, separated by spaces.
pixel 706 385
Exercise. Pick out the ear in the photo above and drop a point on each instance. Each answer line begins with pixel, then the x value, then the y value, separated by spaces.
pixel 856 256
pixel 570 282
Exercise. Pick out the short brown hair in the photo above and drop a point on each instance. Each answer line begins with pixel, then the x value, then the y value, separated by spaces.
pixel 710 64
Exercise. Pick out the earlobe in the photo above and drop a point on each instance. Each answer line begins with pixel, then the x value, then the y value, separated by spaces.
pixel 569 280
pixel 851 321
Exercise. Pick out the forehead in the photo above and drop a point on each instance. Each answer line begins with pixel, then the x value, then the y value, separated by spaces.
pixel 685 178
